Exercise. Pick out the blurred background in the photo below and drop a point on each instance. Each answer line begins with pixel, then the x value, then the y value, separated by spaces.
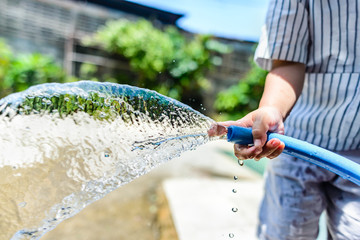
pixel 199 52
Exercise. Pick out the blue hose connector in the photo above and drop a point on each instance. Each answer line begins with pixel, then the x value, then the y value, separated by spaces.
pixel 324 158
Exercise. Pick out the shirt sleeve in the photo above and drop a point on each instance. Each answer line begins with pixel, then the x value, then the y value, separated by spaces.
pixel 285 35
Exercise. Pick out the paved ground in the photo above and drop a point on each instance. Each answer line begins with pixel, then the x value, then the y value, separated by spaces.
pixel 208 209
pixel 187 198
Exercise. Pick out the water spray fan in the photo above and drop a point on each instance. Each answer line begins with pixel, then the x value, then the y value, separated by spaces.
pixel 324 158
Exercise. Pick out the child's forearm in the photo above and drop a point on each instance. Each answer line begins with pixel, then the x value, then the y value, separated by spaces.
pixel 283 86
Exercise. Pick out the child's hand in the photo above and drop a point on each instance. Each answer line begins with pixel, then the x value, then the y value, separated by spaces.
pixel 261 120
pixel 283 86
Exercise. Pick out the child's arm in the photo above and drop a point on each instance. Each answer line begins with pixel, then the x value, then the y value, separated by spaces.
pixel 282 88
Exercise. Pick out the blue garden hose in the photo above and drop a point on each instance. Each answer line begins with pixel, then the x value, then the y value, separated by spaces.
pixel 324 158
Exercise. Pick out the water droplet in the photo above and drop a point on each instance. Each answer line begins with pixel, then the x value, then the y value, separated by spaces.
pixel 174 60
pixel 46 101
pixel 234 209
pixel 231 235
pixel 235 178
pixel 234 191
pixel 241 162
pixel 102 115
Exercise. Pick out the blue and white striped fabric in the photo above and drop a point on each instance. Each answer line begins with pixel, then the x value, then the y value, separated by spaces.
pixel 324 35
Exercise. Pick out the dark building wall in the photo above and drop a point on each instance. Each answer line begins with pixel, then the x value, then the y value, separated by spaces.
pixel 45 25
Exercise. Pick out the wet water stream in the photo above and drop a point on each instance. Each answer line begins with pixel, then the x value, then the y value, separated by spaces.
pixel 64 146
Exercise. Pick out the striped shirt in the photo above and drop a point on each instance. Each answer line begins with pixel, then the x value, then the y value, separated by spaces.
pixel 324 35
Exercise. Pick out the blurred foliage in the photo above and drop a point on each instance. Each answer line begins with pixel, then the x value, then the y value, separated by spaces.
pixel 242 98
pixel 6 57
pixel 18 72
pixel 87 71
pixel 163 60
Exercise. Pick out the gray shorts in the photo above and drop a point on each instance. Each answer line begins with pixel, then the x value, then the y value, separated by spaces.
pixel 297 192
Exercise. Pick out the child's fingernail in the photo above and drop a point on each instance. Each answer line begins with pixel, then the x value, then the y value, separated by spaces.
pixel 275 143
pixel 257 142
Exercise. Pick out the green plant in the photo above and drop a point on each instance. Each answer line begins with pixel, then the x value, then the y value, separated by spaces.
pixel 6 57
pixel 87 71
pixel 243 97
pixel 164 60
pixel 18 72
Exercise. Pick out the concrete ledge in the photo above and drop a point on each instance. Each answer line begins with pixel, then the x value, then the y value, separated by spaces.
pixel 202 208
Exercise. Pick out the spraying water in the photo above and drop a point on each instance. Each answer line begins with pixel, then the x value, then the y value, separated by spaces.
pixel 63 146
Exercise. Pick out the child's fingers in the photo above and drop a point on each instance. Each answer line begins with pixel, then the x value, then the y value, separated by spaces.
pixel 277 152
pixel 268 149
pixel 259 130
pixel 243 152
